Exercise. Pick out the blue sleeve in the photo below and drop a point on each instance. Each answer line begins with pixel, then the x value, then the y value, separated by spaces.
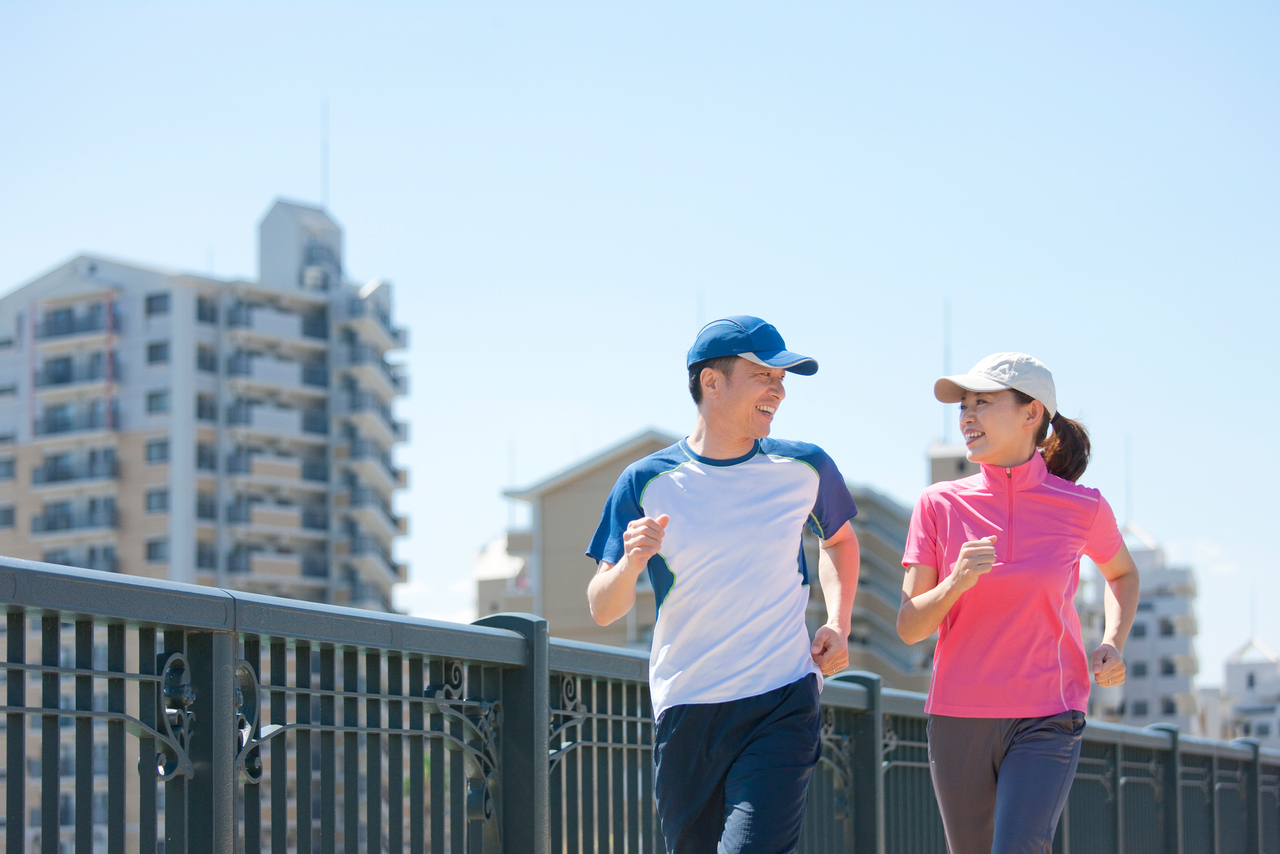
pixel 620 510
pixel 834 505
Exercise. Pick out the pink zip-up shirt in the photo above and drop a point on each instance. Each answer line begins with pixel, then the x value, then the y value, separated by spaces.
pixel 1010 646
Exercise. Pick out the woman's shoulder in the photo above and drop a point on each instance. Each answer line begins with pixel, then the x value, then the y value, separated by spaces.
pixel 1062 486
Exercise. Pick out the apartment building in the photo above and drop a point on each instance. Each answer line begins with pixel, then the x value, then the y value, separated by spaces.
pixel 1160 655
pixel 543 570
pixel 225 432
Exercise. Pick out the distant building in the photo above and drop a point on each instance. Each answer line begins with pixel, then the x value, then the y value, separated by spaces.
pixel 1160 655
pixel 226 432
pixel 949 462
pixel 544 570
pixel 1252 692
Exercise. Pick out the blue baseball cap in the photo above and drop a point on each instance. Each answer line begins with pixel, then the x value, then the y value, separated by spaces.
pixel 752 339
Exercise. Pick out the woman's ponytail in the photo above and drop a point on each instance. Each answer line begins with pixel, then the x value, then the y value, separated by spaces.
pixel 1066 452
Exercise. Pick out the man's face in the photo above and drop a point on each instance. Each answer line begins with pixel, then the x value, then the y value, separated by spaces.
pixel 745 402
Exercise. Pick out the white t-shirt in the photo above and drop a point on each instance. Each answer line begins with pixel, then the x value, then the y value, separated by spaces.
pixel 730 582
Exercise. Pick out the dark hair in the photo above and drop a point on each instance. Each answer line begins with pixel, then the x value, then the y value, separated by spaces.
pixel 1066 452
pixel 723 364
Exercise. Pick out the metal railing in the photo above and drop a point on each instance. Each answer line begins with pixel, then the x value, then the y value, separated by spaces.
pixel 58 471
pixel 50 521
pixel 54 422
pixel 288 726
pixel 56 325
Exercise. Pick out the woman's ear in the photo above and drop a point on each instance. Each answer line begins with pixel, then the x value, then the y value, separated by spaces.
pixel 1033 414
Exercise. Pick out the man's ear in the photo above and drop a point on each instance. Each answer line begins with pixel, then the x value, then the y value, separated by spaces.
pixel 711 380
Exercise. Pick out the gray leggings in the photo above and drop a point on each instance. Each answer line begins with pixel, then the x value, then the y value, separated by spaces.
pixel 1002 782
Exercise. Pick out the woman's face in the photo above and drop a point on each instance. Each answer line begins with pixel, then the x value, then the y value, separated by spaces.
pixel 996 429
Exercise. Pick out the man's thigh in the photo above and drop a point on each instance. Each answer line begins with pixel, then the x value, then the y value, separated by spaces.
pixel 766 787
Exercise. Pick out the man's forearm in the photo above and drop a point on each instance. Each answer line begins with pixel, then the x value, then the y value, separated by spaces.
pixel 838 570
pixel 612 592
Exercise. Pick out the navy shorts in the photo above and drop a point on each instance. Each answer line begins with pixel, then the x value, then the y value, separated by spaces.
pixel 733 777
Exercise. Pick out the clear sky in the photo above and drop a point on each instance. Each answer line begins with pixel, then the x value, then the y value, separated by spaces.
pixel 562 193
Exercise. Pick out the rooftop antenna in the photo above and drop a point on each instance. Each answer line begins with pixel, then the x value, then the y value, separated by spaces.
pixel 511 479
pixel 324 153
pixel 1128 478
pixel 946 365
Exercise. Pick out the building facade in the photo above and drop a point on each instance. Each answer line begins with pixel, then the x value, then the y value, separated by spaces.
pixel 225 432
pixel 1160 654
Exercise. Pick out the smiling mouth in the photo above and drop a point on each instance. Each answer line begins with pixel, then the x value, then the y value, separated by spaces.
pixel 972 435
pixel 768 410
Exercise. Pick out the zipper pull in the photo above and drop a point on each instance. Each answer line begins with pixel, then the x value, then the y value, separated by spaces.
pixel 1008 472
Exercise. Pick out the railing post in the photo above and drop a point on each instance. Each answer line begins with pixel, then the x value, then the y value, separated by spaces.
pixel 1253 797
pixel 868 768
pixel 212 658
pixel 1172 785
pixel 524 788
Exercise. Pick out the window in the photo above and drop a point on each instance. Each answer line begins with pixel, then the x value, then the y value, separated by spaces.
pixel 157 401
pixel 158 451
pixel 157 501
pixel 8 389
pixel 1139 669
pixel 206 359
pixel 1139 630
pixel 1168 706
pixel 1139 708
pixel 157 352
pixel 157 551
pixel 1250 682
pixel 157 304
pixel 206 409
pixel 6 516
pixel 1263 730
pixel 206 457
pixel 206 505
pixel 1168 667
pixel 206 310
pixel 1166 627
pixel 206 556
pixel 8 468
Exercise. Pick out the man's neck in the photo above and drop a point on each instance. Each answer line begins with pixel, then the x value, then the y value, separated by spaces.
pixel 707 441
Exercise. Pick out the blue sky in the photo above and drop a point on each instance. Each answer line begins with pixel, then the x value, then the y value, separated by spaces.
pixel 562 192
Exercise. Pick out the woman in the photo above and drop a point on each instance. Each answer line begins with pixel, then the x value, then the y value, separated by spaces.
pixel 992 564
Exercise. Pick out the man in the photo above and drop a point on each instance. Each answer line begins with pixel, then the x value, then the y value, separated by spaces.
pixel 717 521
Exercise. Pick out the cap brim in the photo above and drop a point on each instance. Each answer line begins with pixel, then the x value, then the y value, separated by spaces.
pixel 952 389
pixel 793 362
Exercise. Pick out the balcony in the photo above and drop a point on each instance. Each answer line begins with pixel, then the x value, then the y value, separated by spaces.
pixel 264 322
pixel 276 420
pixel 373 561
pixel 277 564
pixel 372 416
pixel 56 472
pixel 62 324
pixel 59 373
pixel 370 507
pixel 61 520
pixel 371 369
pixel 369 318
pixel 373 463
pixel 266 371
pixel 55 422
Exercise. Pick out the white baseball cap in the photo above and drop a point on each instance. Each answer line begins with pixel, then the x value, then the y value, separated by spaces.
pixel 998 372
